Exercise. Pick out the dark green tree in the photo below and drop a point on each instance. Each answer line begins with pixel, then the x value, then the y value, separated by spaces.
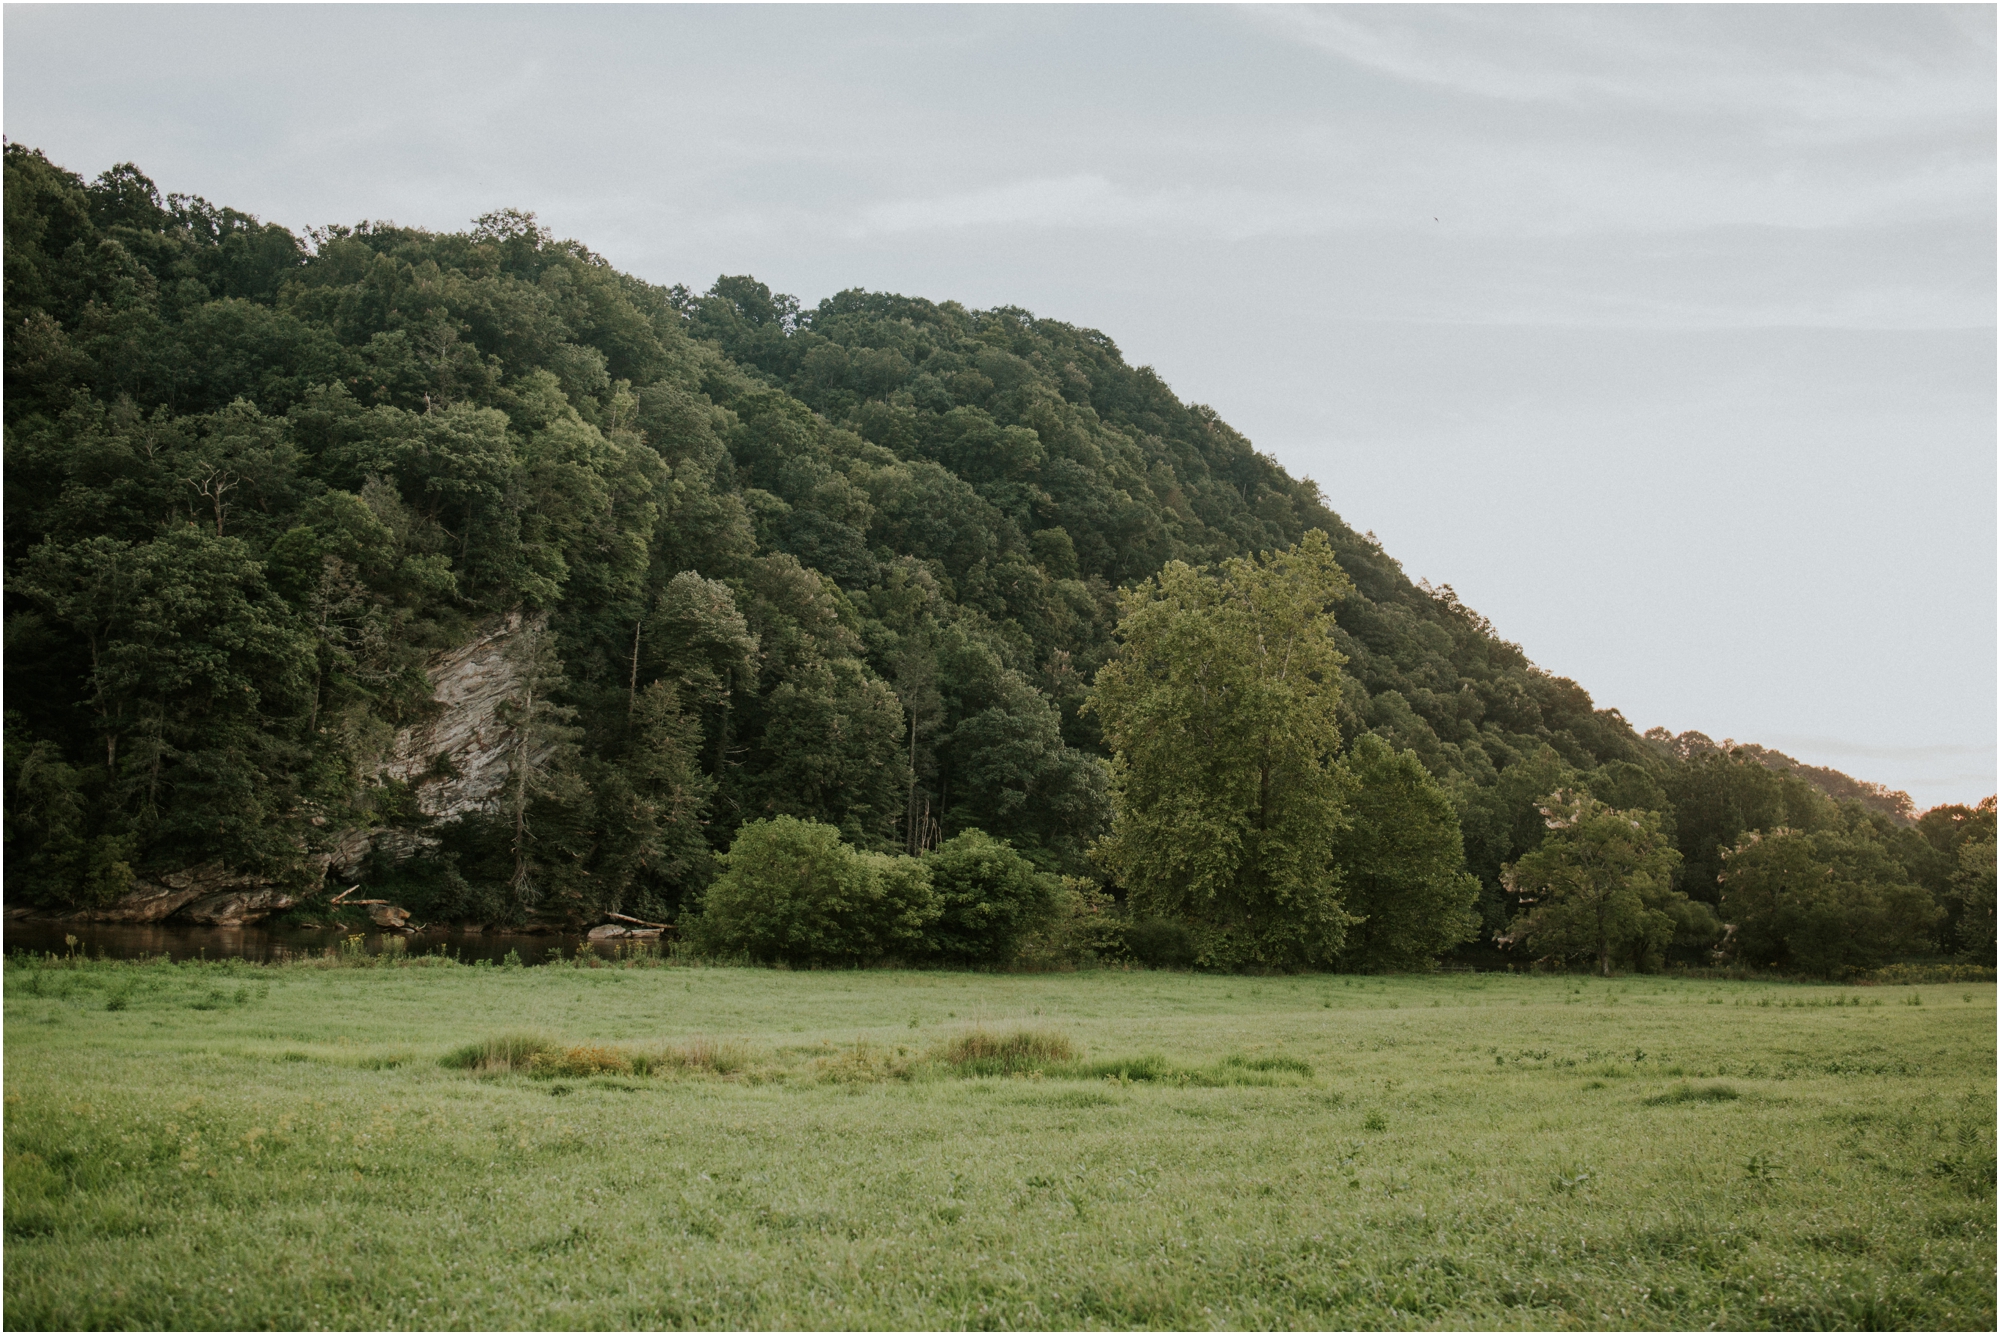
pixel 1829 903
pixel 1401 862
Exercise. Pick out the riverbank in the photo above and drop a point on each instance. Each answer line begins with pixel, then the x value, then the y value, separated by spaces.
pixel 281 943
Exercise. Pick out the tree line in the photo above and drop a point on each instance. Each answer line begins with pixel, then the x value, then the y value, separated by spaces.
pixel 884 566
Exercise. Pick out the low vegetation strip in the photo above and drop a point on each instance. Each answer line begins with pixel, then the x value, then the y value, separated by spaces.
pixel 239 1146
pixel 1021 1054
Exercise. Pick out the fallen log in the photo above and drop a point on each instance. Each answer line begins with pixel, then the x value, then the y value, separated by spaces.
pixel 639 922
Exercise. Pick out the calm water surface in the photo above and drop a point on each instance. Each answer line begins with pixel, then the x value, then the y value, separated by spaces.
pixel 181 941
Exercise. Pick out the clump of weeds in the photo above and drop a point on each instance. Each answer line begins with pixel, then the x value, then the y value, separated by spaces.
pixel 1288 1065
pixel 1017 1053
pixel 697 1055
pixel 498 1056
pixel 1716 1093
pixel 864 1063
pixel 584 1060
pixel 1043 1054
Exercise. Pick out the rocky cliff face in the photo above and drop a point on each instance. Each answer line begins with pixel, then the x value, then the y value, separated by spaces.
pixel 456 762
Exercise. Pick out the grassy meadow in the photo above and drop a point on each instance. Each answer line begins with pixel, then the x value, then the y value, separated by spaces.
pixel 233 1145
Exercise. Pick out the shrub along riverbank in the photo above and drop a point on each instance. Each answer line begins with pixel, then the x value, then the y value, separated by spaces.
pixel 234 1145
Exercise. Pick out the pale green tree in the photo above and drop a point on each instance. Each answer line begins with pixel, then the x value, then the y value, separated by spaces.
pixel 1220 711
pixel 1599 886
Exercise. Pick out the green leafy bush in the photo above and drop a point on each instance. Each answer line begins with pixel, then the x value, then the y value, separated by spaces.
pixel 989 898
pixel 792 892
pixel 1083 927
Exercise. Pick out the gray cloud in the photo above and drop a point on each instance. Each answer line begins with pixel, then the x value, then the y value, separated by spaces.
pixel 1866 69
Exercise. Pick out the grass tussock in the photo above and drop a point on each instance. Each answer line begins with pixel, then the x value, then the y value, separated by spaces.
pixel 1287 1065
pixel 533 1054
pixel 697 1056
pixel 582 1061
pixel 864 1063
pixel 1042 1054
pixel 1715 1093
pixel 1016 1053
pixel 498 1056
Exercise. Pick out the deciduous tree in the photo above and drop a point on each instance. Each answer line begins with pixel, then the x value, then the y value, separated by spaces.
pixel 1599 885
pixel 1827 903
pixel 1402 863
pixel 1220 709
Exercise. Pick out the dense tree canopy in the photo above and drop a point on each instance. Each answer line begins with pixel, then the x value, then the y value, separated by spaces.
pixel 1403 863
pixel 1827 903
pixel 856 564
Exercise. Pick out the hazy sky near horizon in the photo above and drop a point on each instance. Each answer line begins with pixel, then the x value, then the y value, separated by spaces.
pixel 1665 334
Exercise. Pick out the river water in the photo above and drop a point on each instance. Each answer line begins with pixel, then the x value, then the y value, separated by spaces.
pixel 264 945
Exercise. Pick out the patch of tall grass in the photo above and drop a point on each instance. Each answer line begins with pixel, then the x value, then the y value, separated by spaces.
pixel 1024 1050
pixel 500 1055
pixel 583 1060
pixel 1715 1093
pixel 1022 1053
pixel 1051 1056
pixel 697 1055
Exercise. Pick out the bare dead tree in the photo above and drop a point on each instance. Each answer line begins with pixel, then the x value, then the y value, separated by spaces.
pixel 216 483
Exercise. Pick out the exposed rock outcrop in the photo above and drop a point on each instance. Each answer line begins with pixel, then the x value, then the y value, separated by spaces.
pixel 352 845
pixel 457 761
pixel 348 847
pixel 239 908
pixel 152 901
pixel 389 917
pixel 611 931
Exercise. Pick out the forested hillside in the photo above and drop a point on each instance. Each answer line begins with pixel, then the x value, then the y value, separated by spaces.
pixel 856 564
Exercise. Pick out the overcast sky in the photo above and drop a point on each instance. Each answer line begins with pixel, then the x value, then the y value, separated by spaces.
pixel 1664 334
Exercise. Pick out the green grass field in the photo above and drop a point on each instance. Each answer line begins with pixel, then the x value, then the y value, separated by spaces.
pixel 244 1146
